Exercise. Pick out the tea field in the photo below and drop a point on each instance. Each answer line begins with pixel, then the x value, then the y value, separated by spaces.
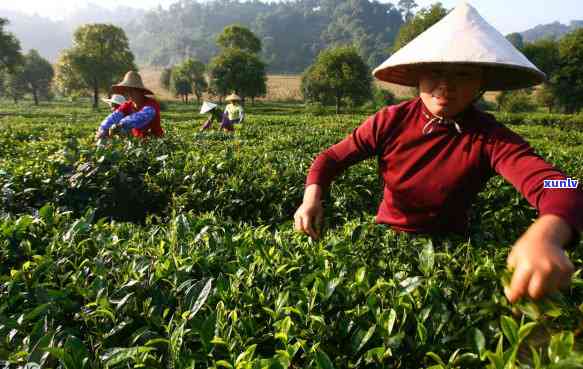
pixel 180 253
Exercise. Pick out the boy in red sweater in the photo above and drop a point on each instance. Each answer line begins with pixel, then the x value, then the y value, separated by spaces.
pixel 437 151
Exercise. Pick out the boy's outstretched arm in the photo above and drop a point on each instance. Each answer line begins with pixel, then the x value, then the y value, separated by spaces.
pixel 539 263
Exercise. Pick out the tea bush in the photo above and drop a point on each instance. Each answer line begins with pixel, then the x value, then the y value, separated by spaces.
pixel 180 253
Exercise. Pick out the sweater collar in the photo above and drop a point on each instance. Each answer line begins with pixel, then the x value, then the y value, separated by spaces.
pixel 432 121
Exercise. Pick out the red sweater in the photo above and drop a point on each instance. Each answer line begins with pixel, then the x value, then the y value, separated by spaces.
pixel 153 128
pixel 430 180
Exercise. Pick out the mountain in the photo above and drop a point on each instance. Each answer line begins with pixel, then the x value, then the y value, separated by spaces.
pixel 35 32
pixel 292 32
pixel 49 37
pixel 554 30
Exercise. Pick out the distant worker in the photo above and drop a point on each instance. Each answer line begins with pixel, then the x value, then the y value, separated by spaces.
pixel 214 114
pixel 233 113
pixel 140 116
pixel 115 101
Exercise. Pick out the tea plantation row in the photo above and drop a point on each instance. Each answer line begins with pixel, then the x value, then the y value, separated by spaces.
pixel 180 253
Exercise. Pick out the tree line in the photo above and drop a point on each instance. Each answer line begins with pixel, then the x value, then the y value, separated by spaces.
pixel 236 68
pixel 338 75
pixel 562 61
pixel 20 74
pixel 292 32
pixel 100 55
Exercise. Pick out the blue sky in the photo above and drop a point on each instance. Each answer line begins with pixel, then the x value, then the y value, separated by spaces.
pixel 506 15
pixel 519 15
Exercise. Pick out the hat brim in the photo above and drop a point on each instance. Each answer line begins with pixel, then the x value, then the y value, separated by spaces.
pixel 121 89
pixel 496 77
pixel 207 110
pixel 233 99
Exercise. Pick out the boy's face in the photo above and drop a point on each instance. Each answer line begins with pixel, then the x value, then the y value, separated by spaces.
pixel 447 90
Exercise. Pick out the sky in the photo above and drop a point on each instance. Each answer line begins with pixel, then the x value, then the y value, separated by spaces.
pixel 505 15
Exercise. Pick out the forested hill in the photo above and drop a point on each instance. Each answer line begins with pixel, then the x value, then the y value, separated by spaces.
pixel 36 32
pixel 292 32
pixel 553 30
pixel 49 37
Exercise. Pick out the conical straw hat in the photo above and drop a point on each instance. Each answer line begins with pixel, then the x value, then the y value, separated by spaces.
pixel 132 79
pixel 233 97
pixel 462 37
pixel 207 106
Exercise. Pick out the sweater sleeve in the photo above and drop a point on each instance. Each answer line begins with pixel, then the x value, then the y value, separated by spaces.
pixel 139 119
pixel 111 119
pixel 514 159
pixel 364 142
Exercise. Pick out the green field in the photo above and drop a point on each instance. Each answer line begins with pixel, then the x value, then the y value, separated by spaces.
pixel 180 253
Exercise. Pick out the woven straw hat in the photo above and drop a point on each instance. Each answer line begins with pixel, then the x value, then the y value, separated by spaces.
pixel 207 106
pixel 462 37
pixel 233 97
pixel 132 79
pixel 115 99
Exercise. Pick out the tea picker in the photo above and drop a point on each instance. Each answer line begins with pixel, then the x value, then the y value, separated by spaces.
pixel 437 151
pixel 138 117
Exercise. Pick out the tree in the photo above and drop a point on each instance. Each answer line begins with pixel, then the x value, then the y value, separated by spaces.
pixel 282 51
pixel 568 78
pixel 2 78
pixel 99 57
pixel 406 8
pixel 10 56
pixel 239 71
pixel 181 83
pixel 38 75
pixel 239 37
pixel 517 101
pixel 195 69
pixel 516 40
pixel 165 78
pixel 292 33
pixel 238 68
pixel 545 96
pixel 338 74
pixel 186 78
pixel 68 80
pixel 544 54
pixel 369 26
pixel 14 84
pixel 425 18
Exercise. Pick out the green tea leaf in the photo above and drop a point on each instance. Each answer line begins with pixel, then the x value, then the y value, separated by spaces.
pixel 323 360
pixel 510 329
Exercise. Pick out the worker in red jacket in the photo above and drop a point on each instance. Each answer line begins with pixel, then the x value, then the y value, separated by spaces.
pixel 437 151
pixel 140 116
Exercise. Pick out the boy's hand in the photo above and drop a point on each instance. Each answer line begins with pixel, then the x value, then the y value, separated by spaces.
pixel 308 219
pixel 539 263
